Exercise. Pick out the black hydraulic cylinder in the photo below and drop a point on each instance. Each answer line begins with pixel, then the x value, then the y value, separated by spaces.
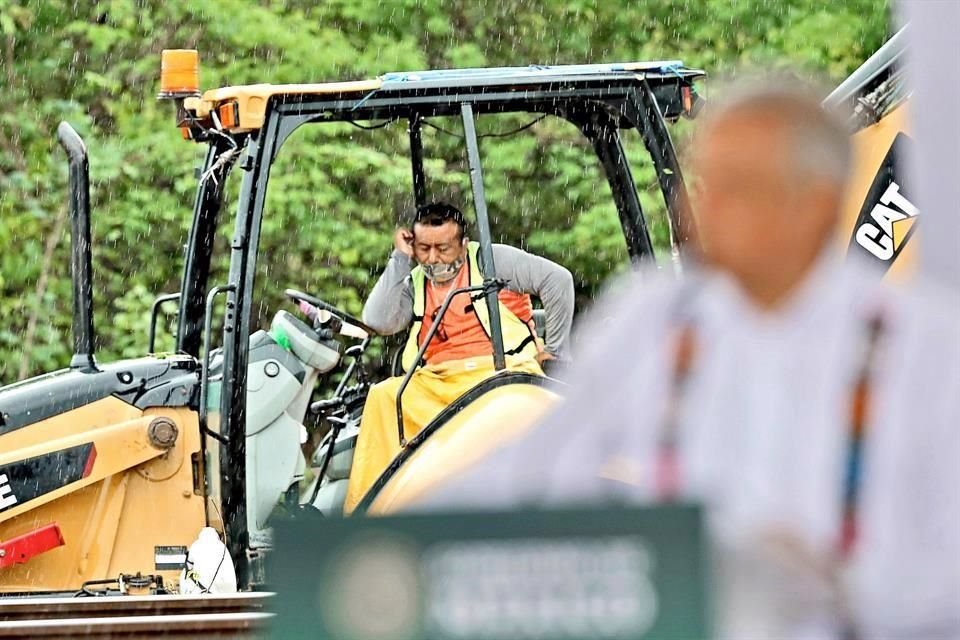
pixel 80 262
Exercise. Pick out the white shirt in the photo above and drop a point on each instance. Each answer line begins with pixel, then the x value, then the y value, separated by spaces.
pixel 763 435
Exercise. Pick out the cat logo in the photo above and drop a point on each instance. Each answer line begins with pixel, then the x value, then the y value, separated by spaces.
pixel 7 499
pixel 892 220
pixel 887 217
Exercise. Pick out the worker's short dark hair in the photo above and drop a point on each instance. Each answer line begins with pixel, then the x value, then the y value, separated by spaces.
pixel 435 214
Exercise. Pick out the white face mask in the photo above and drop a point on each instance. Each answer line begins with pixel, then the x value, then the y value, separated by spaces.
pixel 440 273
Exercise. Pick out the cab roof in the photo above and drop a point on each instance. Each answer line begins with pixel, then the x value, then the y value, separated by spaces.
pixel 252 99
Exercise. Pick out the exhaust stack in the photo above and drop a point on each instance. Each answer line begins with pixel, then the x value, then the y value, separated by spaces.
pixel 80 263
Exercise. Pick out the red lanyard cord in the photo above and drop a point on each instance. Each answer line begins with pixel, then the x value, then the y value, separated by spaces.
pixel 861 403
pixel 668 469
pixel 668 462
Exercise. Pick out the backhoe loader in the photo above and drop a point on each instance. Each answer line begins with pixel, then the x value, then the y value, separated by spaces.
pixel 109 471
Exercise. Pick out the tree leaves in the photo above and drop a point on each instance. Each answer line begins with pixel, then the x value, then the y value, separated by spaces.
pixel 336 192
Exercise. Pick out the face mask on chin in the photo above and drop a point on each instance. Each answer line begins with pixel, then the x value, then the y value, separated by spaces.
pixel 441 273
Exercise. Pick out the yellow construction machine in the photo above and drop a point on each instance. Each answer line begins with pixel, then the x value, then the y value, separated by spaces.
pixel 110 471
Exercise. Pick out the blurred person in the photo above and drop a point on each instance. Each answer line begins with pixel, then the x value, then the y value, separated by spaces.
pixel 812 408
pixel 430 260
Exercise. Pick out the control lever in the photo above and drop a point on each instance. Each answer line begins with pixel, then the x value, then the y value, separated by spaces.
pixel 321 318
pixel 337 424
pixel 322 405
pixel 324 320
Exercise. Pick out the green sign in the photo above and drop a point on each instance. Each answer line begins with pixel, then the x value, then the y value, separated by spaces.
pixel 609 574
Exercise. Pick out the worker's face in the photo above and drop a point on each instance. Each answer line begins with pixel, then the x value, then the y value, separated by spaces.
pixel 753 211
pixel 440 250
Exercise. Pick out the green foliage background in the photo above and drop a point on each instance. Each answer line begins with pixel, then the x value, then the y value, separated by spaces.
pixel 336 191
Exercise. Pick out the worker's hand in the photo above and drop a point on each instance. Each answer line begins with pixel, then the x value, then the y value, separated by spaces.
pixel 543 356
pixel 403 241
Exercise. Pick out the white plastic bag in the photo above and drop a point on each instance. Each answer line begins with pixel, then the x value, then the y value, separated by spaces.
pixel 209 566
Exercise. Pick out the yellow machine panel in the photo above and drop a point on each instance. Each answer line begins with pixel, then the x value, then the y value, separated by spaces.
pixel 127 497
pixel 879 218
pixel 489 422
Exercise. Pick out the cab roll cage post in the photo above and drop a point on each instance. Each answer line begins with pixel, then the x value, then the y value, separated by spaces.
pixel 602 132
pixel 642 110
pixel 256 162
pixel 416 161
pixel 207 206
pixel 488 268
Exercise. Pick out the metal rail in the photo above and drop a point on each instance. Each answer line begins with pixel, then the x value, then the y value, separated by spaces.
pixel 23 608
pixel 207 625
pixel 232 615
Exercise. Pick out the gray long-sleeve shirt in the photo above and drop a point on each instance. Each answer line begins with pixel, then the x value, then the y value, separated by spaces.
pixel 389 309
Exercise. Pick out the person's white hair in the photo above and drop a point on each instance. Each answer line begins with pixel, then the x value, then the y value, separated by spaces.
pixel 820 143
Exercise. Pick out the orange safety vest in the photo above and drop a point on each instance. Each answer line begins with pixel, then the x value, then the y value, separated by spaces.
pixel 464 330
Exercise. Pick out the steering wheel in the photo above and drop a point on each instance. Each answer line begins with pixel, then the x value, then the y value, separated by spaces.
pixel 300 296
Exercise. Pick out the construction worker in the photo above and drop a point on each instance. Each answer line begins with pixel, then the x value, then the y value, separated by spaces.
pixel 813 408
pixel 429 260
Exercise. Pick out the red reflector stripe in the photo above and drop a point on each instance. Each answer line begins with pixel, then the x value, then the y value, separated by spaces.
pixel 20 549
pixel 91 458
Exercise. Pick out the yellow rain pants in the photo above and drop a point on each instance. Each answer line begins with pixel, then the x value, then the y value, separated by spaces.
pixel 429 392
